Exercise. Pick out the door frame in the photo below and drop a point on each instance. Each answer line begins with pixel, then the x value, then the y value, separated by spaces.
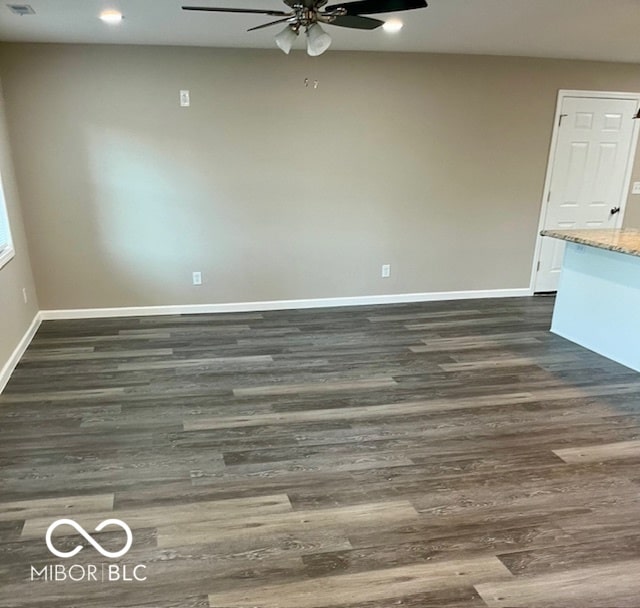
pixel 562 95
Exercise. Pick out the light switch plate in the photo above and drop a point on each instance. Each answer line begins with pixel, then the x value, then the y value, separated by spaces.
pixel 185 100
pixel 636 188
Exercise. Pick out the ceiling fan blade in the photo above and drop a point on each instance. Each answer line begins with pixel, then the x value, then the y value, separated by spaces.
pixel 371 7
pixel 259 27
pixel 212 9
pixel 356 22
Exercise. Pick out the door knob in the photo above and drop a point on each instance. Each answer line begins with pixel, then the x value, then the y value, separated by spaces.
pixel 615 210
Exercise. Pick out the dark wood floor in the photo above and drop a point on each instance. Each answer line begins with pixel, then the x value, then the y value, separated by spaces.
pixel 452 454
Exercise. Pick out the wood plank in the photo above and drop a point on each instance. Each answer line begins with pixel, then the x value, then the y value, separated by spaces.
pixel 89 354
pixel 486 363
pixel 353 413
pixel 487 319
pixel 612 584
pixel 424 315
pixel 456 345
pixel 209 362
pixel 185 329
pixel 98 339
pixel 600 453
pixel 365 586
pixel 168 516
pixel 315 387
pixel 62 395
pixel 351 517
pixel 62 506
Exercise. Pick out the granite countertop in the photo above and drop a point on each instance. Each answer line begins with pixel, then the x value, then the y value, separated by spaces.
pixel 623 241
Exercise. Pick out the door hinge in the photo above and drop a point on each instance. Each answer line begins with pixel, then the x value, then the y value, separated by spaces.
pixel 560 119
pixel 548 196
pixel 538 268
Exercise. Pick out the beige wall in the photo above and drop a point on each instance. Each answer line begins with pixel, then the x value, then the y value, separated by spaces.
pixel 432 163
pixel 15 315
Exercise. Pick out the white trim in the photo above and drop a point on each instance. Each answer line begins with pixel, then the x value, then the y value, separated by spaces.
pixel 6 255
pixel 10 365
pixel 182 309
pixel 562 94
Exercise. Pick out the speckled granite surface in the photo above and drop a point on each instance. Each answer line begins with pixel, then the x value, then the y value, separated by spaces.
pixel 623 241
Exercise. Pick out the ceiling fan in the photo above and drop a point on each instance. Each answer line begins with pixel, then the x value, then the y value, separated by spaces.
pixel 309 14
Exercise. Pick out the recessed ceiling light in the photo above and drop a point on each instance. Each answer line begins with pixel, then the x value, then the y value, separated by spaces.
pixel 393 25
pixel 111 16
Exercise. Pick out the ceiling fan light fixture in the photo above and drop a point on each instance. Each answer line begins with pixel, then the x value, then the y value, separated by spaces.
pixel 308 14
pixel 318 41
pixel 286 38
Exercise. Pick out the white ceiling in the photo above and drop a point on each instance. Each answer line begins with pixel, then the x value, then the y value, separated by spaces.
pixel 578 29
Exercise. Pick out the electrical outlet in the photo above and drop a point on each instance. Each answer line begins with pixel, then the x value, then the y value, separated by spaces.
pixel 24 295
pixel 185 99
pixel 197 278
pixel 386 271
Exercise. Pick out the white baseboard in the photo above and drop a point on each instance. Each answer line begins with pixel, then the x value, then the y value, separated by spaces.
pixel 139 311
pixel 10 365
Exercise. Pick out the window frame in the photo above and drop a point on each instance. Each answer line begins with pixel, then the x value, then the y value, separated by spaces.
pixel 8 253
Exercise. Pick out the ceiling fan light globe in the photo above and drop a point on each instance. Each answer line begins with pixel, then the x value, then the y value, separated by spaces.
pixel 318 41
pixel 286 38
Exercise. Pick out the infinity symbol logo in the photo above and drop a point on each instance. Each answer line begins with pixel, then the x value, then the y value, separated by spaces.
pixel 89 538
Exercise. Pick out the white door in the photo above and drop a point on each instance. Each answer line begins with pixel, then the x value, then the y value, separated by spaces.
pixel 594 140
